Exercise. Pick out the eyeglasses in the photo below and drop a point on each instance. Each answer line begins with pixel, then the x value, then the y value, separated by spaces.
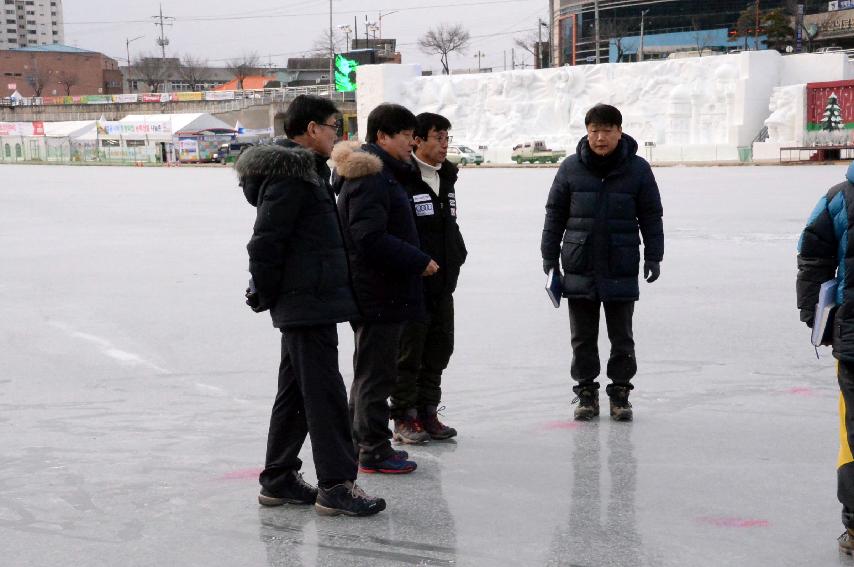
pixel 441 138
pixel 336 125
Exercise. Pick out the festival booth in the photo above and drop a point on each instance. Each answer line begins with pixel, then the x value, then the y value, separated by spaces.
pixel 192 138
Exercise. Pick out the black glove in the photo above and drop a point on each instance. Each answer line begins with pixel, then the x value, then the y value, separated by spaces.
pixel 549 264
pixel 252 300
pixel 651 271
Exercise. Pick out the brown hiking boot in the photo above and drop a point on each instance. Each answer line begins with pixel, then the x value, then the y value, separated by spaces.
pixel 621 409
pixel 846 542
pixel 588 404
pixel 408 429
pixel 429 416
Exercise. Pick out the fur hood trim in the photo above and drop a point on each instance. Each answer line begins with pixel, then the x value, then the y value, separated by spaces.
pixel 351 162
pixel 277 160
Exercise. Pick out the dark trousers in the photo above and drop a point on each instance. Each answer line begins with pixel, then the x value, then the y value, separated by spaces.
pixel 845 464
pixel 374 374
pixel 311 400
pixel 584 325
pixel 425 350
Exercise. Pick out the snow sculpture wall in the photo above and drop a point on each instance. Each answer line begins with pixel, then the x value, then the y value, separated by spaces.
pixel 693 109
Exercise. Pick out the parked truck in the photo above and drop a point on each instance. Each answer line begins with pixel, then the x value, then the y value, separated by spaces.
pixel 536 152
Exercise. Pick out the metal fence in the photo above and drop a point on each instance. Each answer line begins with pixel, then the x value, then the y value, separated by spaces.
pixel 233 100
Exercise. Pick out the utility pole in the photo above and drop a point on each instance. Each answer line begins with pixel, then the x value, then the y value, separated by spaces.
pixel 505 59
pixel 640 48
pixel 756 28
pixel 596 26
pixel 539 49
pixel 513 58
pixel 163 41
pixel 479 54
pixel 331 54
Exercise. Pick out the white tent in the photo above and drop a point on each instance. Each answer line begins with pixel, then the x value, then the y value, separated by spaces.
pixel 180 123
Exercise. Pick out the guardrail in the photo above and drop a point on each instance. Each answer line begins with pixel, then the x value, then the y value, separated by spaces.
pixel 246 97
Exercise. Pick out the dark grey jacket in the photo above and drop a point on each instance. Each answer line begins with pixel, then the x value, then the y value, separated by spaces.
pixel 296 255
pixel 592 222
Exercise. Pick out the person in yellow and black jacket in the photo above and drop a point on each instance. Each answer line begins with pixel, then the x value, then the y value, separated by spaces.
pixel 824 254
pixel 426 345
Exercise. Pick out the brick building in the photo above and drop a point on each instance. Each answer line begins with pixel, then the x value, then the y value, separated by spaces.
pixel 57 70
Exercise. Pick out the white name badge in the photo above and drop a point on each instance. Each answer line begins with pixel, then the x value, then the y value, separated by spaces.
pixel 421 198
pixel 452 195
pixel 424 209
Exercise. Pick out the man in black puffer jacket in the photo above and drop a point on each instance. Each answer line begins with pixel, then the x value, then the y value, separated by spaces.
pixel 426 346
pixel 600 197
pixel 299 269
pixel 387 267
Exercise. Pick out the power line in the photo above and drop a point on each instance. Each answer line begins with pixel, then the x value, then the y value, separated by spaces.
pixel 293 15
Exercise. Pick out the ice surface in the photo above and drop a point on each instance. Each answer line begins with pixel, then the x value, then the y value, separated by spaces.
pixel 136 387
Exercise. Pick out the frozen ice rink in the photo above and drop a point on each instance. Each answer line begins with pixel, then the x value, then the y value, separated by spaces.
pixel 135 388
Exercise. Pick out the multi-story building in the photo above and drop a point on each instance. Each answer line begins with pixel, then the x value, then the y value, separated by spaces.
pixel 668 26
pixel 57 70
pixel 30 22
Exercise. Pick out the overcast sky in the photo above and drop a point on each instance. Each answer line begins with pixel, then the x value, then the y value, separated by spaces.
pixel 218 30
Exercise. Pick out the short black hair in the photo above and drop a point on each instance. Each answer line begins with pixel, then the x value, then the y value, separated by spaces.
pixel 429 121
pixel 604 114
pixel 391 119
pixel 307 108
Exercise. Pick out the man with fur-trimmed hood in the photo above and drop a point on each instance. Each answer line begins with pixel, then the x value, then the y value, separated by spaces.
pixel 299 270
pixel 387 266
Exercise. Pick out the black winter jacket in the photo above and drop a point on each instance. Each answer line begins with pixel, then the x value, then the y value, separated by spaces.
pixel 379 229
pixel 824 253
pixel 296 255
pixel 592 223
pixel 436 219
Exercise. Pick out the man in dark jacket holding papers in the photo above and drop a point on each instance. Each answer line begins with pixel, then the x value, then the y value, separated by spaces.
pixel 601 198
pixel 824 254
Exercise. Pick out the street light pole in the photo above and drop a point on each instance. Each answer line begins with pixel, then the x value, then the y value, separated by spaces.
pixel 380 18
pixel 640 48
pixel 479 54
pixel 331 53
pixel 596 26
pixel 127 46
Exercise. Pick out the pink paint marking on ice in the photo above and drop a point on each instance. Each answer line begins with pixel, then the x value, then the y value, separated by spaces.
pixel 552 425
pixel 722 522
pixel 800 391
pixel 243 474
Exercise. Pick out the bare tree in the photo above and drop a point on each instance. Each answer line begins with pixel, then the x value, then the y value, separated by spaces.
pixel 192 70
pixel 443 40
pixel 531 44
pixel 616 30
pixel 67 79
pixel 37 77
pixel 152 70
pixel 321 44
pixel 703 38
pixel 244 66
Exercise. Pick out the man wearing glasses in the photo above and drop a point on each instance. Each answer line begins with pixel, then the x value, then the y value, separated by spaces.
pixel 299 270
pixel 387 266
pixel 426 346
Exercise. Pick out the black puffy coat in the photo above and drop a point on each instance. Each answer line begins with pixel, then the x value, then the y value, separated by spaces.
pixel 296 255
pixel 592 221
pixel 379 229
pixel 436 219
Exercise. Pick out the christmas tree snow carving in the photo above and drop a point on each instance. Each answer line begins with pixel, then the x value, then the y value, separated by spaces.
pixel 832 119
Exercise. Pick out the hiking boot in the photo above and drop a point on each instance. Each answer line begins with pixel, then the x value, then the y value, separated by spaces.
pixel 846 542
pixel 391 465
pixel 621 409
pixel 408 429
pixel 293 491
pixel 429 416
pixel 588 404
pixel 348 499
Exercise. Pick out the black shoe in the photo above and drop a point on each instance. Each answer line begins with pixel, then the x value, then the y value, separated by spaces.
pixel 621 409
pixel 293 491
pixel 846 542
pixel 348 499
pixel 588 404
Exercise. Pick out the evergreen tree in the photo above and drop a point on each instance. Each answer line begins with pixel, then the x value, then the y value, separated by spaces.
pixel 832 119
